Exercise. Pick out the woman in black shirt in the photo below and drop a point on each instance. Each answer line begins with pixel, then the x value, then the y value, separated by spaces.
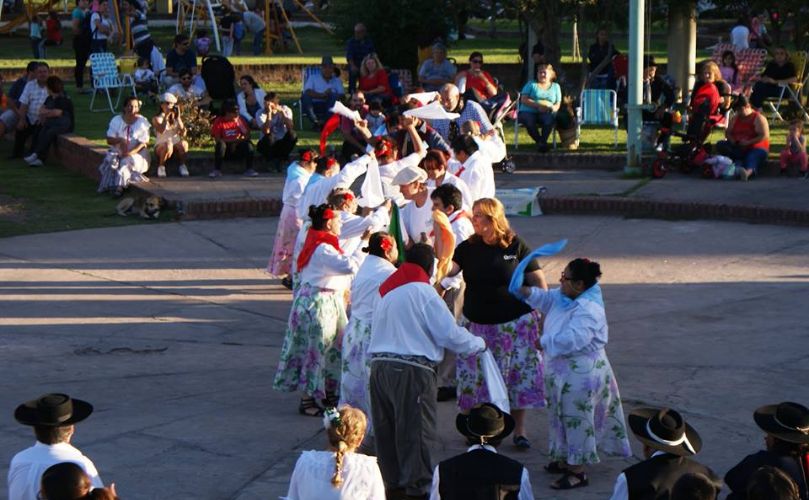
pixel 509 327
pixel 55 118
pixel 780 71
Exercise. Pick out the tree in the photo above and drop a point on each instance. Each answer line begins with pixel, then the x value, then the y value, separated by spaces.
pixel 397 27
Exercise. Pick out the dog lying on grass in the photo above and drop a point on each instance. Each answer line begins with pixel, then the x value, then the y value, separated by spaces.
pixel 147 207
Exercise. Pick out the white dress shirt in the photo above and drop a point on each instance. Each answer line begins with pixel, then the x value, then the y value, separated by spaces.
pixel 365 290
pixel 316 193
pixel 477 173
pixel 413 320
pixel 27 466
pixel 571 326
pixel 328 268
pixel 417 220
pixel 526 493
pixel 466 195
pixel 621 489
pixel 311 478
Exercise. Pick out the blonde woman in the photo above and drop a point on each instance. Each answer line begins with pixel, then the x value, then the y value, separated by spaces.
pixel 374 79
pixel 509 327
pixel 539 102
pixel 340 472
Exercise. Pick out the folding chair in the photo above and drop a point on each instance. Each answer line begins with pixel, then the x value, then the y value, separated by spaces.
pixel 305 74
pixel 515 111
pixel 791 91
pixel 598 107
pixel 106 77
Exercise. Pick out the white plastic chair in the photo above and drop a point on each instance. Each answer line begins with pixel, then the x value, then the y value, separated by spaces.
pixel 106 77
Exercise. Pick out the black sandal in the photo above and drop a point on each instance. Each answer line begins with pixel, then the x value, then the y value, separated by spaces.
pixel 309 407
pixel 555 468
pixel 571 480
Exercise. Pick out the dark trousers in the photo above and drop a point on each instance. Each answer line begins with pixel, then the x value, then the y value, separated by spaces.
pixel 241 150
pixel 317 109
pixel 278 150
pixel 47 134
pixel 403 408
pixel 81 49
pixel 532 123
pixel 21 137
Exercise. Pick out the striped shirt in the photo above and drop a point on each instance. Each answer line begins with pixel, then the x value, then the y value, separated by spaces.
pixel 140 29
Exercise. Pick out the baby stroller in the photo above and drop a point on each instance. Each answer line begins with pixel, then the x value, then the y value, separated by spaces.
pixel 694 150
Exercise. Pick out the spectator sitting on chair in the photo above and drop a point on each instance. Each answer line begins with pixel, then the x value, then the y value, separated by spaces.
pixel 778 72
pixel 481 472
pixel 278 137
pixel 56 117
pixel 10 117
pixel 180 57
pixel 320 91
pixel 250 100
pixel 476 84
pixel 53 417
pixel 357 49
pixel 28 120
pixel 437 71
pixel 186 90
pixel 539 102
pixel 231 136
pixel 468 110
pixel 599 63
pixel 374 81
pixel 170 131
pixel 353 141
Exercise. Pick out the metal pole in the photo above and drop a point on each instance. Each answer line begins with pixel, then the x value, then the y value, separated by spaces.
pixel 635 90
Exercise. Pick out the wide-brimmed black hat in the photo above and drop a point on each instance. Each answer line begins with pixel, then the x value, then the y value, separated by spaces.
pixel 485 420
pixel 53 410
pixel 785 421
pixel 664 429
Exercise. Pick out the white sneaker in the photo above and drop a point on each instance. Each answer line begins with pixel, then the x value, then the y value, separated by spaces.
pixel 184 171
pixel 28 159
pixel 161 171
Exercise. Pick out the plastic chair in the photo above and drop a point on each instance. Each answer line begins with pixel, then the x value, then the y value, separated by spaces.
pixel 106 77
pixel 598 107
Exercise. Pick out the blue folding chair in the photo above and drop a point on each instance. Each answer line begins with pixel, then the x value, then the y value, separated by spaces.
pixel 598 107
pixel 106 77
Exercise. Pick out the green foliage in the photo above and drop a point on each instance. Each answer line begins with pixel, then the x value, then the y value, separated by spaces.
pixel 397 27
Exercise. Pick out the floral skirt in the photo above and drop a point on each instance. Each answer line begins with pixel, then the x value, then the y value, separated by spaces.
pixel 356 366
pixel 515 346
pixel 310 356
pixel 288 227
pixel 584 409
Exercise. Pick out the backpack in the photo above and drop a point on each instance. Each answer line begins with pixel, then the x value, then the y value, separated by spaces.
pixel 219 76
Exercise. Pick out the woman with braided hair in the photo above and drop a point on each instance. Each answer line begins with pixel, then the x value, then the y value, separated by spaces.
pixel 339 473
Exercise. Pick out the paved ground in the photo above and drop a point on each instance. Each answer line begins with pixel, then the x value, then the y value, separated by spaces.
pixel 173 332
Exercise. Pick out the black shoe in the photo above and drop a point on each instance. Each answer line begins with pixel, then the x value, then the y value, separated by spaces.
pixel 446 393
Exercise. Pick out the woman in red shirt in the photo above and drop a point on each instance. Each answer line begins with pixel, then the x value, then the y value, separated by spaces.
pixel 374 79
pixel 747 138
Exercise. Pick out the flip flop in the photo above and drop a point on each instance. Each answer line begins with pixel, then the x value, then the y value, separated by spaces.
pixel 571 480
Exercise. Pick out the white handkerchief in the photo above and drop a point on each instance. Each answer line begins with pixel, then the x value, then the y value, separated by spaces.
pixel 432 111
pixel 340 109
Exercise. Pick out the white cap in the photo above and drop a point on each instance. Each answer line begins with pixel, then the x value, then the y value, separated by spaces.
pixel 409 174
pixel 168 97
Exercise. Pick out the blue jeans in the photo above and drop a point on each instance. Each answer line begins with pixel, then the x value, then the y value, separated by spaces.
pixel 532 122
pixel 317 109
pixel 258 41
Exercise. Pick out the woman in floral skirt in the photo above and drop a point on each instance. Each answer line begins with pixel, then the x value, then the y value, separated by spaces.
pixel 382 254
pixel 584 405
pixel 310 356
pixel 509 327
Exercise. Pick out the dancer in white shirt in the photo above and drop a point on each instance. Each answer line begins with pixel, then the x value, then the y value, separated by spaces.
pixel 289 224
pixel 339 473
pixel 310 357
pixel 378 265
pixel 476 168
pixel 435 163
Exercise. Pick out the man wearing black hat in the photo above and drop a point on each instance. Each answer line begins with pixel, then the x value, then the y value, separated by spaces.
pixel 53 417
pixel 667 442
pixel 481 473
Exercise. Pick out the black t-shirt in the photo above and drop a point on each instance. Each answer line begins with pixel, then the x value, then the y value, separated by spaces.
pixel 487 272
pixel 783 72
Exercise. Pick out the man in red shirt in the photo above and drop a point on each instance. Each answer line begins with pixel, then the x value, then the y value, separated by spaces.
pixel 231 136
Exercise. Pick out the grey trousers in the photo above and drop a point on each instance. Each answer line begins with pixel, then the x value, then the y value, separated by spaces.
pixel 446 369
pixel 403 409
